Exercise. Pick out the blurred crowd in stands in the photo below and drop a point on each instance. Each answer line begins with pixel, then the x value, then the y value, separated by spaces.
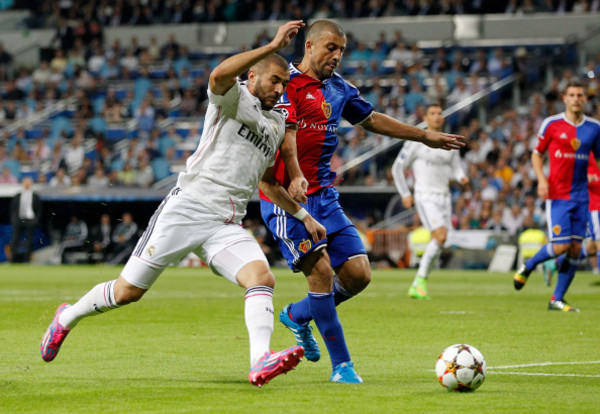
pixel 46 13
pixel 129 114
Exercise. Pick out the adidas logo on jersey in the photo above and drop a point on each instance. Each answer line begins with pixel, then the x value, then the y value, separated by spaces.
pixel 309 96
pixel 563 136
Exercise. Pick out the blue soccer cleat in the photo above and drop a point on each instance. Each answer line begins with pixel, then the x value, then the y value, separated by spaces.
pixel 344 373
pixel 303 334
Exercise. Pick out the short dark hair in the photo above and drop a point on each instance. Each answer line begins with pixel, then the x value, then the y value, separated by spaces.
pixel 573 83
pixel 317 28
pixel 433 105
pixel 274 58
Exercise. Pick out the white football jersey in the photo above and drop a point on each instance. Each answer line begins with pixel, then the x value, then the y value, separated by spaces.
pixel 238 144
pixel 433 168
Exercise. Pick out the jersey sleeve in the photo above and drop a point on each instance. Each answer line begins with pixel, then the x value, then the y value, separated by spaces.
pixel 543 138
pixel 457 167
pixel 356 109
pixel 404 160
pixel 289 108
pixel 229 102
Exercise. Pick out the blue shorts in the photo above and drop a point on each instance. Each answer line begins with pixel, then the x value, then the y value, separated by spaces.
pixel 568 220
pixel 342 242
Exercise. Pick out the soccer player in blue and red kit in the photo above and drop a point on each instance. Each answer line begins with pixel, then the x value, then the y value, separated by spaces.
pixel 568 137
pixel 593 227
pixel 316 100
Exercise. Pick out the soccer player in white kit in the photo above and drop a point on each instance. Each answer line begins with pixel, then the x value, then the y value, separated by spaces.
pixel 202 214
pixel 432 169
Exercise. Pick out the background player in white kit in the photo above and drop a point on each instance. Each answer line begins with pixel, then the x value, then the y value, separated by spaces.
pixel 433 169
pixel 203 213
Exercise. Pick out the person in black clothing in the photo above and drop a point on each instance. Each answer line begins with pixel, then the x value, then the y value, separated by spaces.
pixel 100 240
pixel 124 239
pixel 25 212
pixel 74 240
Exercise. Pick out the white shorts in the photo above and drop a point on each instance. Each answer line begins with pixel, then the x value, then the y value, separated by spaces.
pixel 594 225
pixel 435 210
pixel 181 225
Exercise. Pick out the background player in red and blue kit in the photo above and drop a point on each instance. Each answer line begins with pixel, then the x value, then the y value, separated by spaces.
pixel 593 229
pixel 569 138
pixel 594 219
pixel 316 100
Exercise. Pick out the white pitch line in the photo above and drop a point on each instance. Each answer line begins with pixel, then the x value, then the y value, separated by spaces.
pixel 543 364
pixel 542 374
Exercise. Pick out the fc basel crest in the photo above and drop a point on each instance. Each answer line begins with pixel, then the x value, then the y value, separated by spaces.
pixel 326 107
pixel 556 229
pixel 304 246
pixel 575 143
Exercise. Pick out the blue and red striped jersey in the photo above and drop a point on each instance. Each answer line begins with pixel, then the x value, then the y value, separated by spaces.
pixel 569 148
pixel 317 107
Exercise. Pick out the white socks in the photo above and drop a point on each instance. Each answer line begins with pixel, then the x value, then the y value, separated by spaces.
pixel 258 312
pixel 98 300
pixel 429 258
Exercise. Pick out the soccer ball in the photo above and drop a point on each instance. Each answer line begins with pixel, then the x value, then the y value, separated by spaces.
pixel 461 367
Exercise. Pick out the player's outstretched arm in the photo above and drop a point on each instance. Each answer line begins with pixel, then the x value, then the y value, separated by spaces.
pixel 273 189
pixel 289 154
pixel 224 75
pixel 382 124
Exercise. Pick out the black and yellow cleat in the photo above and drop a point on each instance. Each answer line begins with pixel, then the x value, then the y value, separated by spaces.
pixel 561 305
pixel 520 278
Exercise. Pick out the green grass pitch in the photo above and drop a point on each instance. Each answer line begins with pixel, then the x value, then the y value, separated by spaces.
pixel 183 348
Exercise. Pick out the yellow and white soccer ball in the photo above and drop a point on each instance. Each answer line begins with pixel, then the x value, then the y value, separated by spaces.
pixel 461 367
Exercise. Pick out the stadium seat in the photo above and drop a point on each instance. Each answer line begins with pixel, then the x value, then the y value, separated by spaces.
pixel 33 133
pixel 59 125
pixel 115 134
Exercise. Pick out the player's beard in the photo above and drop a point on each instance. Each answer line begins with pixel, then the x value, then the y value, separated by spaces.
pixel 327 70
pixel 263 96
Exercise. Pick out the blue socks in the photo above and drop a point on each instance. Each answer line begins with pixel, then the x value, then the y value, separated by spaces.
pixel 545 253
pixel 300 311
pixel 322 307
pixel 566 274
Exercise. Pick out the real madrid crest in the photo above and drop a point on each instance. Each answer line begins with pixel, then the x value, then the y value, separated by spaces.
pixel 150 251
pixel 326 108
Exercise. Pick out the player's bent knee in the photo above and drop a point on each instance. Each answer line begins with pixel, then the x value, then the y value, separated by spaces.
pixel 263 279
pixel 256 273
pixel 355 274
pixel 129 294
pixel 561 248
pixel 440 235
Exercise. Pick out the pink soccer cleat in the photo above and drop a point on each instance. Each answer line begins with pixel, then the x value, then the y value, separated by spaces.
pixel 54 336
pixel 272 364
